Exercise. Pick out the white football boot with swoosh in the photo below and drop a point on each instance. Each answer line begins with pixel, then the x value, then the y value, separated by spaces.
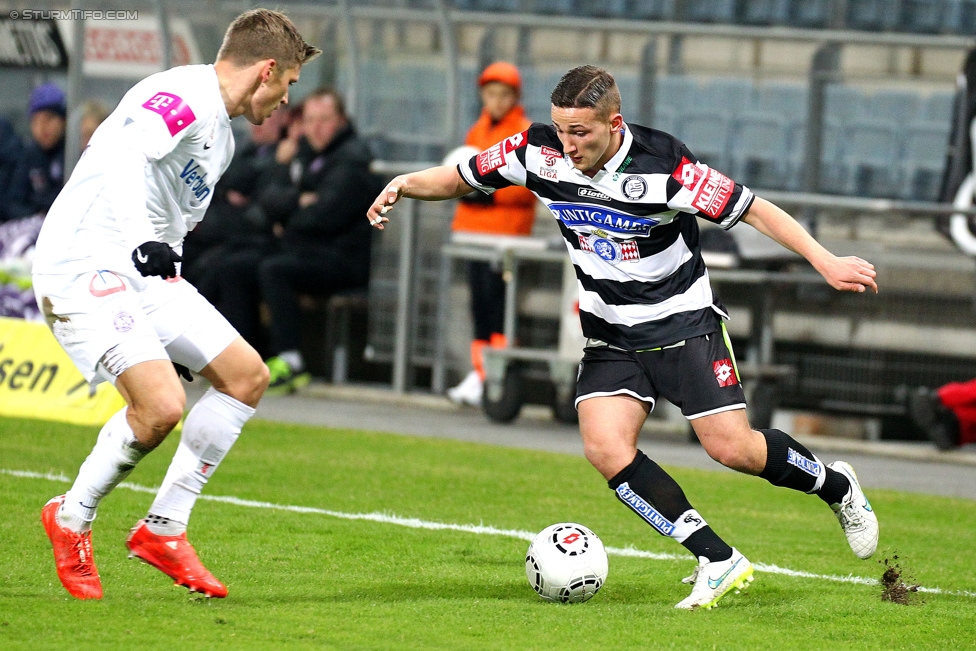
pixel 713 579
pixel 856 517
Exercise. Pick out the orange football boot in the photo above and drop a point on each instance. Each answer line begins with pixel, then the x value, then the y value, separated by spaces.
pixel 175 557
pixel 72 554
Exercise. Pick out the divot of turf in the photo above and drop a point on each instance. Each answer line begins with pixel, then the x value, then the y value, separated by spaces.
pixel 894 587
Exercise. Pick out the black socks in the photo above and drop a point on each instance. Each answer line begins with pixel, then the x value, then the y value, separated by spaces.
pixel 791 465
pixel 656 497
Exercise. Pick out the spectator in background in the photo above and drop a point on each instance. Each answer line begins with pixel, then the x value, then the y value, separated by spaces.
pixel 40 174
pixel 10 153
pixel 508 211
pixel 236 225
pixel 947 414
pixel 317 191
pixel 93 113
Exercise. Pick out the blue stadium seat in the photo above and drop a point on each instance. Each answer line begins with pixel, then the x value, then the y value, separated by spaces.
pixel 732 95
pixel 960 17
pixel 923 160
pixel 707 135
pixel 764 12
pixel 810 13
pixel 873 15
pixel 760 151
pixel 843 103
pixel 870 157
pixel 665 119
pixel 678 92
pixel 708 11
pixel 832 177
pixel 784 99
pixel 939 107
pixel 923 16
pixel 561 7
pixel 899 106
pixel 628 9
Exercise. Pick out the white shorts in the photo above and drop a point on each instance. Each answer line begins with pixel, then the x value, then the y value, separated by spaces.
pixel 108 322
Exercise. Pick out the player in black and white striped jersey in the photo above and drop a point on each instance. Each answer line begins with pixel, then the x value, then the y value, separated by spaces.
pixel 626 199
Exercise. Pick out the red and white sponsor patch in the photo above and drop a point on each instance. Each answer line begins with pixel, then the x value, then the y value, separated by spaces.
pixel 725 373
pixel 714 194
pixel 175 112
pixel 628 251
pixel 550 155
pixel 518 140
pixel 491 159
pixel 687 173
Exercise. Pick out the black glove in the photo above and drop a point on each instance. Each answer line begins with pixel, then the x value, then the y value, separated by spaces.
pixel 156 259
pixel 183 372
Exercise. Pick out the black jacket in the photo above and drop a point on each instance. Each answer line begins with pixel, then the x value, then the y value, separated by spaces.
pixel 36 182
pixel 340 176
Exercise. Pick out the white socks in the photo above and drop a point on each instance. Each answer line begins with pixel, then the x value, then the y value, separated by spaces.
pixel 114 456
pixel 210 429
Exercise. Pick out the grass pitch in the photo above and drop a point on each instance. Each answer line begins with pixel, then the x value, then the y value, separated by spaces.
pixel 311 579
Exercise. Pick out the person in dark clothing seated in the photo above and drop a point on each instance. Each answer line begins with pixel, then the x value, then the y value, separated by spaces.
pixel 39 175
pixel 235 221
pixel 317 192
pixel 11 149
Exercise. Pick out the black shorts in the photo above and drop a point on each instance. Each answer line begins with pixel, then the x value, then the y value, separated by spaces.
pixel 699 376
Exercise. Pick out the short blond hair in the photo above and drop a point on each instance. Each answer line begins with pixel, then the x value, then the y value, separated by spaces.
pixel 261 34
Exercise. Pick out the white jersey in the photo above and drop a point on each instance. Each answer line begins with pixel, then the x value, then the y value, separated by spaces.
pixel 148 173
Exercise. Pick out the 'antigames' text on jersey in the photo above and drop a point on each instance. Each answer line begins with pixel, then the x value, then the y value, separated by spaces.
pixel 630 230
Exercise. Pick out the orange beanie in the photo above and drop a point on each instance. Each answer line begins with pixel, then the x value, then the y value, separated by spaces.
pixel 503 72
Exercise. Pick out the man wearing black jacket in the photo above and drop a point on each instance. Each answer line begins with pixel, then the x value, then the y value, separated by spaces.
pixel 317 193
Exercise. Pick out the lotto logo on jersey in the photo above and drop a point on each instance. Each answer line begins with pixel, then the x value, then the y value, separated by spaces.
pixel 175 112
pixel 714 194
pixel 491 159
pixel 687 173
pixel 725 373
pixel 514 142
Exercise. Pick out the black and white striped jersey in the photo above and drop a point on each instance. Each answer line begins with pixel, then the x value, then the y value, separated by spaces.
pixel 630 230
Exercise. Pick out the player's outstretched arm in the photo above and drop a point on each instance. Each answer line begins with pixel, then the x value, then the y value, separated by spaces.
pixel 431 184
pixel 851 274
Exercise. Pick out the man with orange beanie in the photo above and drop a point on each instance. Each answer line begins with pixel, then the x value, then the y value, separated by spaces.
pixel 509 211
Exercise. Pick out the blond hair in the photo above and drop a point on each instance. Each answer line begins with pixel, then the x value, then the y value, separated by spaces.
pixel 262 34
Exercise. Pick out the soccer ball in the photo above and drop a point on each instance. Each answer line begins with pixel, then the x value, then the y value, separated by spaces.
pixel 567 563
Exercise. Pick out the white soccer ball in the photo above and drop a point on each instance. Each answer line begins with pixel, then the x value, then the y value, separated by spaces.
pixel 460 155
pixel 567 563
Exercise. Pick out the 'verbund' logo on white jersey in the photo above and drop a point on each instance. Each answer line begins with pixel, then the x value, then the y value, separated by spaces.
pixel 806 465
pixel 491 159
pixel 644 510
pixel 687 173
pixel 574 214
pixel 196 179
pixel 714 194
pixel 590 193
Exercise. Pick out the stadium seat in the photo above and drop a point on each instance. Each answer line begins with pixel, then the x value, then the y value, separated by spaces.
pixel 708 11
pixel 764 12
pixel 810 13
pixel 664 119
pixel 785 99
pixel 760 150
pixel 923 160
pixel 707 135
pixel 873 15
pixel 899 106
pixel 678 92
pixel 832 176
pixel 732 95
pixel 870 158
pixel 561 7
pixel 960 17
pixel 843 103
pixel 938 107
pixel 922 16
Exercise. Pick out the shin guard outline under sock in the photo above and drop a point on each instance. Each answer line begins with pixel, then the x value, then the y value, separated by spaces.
pixel 791 465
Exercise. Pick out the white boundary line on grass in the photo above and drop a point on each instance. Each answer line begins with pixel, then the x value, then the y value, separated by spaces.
pixel 416 523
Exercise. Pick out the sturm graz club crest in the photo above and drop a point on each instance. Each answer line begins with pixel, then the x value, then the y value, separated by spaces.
pixel 634 187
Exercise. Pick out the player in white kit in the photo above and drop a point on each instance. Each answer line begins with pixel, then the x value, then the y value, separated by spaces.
pixel 107 280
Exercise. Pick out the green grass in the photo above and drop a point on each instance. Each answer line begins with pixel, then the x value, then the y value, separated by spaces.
pixel 305 580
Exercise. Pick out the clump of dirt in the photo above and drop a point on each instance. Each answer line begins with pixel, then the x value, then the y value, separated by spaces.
pixel 896 585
